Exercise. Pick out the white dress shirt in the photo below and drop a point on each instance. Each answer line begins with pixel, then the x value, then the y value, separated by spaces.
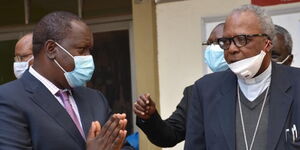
pixel 252 88
pixel 53 90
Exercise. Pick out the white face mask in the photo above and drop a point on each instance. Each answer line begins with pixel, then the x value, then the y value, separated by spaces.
pixel 21 67
pixel 248 67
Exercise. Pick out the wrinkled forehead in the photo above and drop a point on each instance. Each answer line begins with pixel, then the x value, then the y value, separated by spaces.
pixel 242 22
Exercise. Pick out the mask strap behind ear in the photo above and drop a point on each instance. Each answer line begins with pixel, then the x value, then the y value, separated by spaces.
pixel 64 49
pixel 30 59
pixel 269 42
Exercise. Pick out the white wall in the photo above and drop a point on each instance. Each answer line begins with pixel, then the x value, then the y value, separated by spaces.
pixel 181 30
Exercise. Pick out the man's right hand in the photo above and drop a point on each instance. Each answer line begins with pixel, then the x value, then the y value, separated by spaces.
pixel 144 107
pixel 110 136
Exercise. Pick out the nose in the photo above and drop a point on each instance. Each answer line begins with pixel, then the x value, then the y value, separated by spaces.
pixel 232 48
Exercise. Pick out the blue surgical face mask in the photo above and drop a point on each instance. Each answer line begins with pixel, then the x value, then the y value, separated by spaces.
pixel 214 58
pixel 83 71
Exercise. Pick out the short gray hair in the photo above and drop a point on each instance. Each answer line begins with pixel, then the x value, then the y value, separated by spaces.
pixel 288 42
pixel 265 20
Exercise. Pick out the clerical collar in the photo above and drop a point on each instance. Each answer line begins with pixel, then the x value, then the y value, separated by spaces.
pixel 252 88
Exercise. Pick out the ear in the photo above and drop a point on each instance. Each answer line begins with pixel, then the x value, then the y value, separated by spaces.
pixel 268 46
pixel 51 50
pixel 290 60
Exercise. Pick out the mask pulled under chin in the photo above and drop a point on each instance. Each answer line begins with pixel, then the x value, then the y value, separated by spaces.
pixel 247 68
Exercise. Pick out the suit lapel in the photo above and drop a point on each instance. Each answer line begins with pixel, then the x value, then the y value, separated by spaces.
pixel 280 103
pixel 226 109
pixel 85 110
pixel 45 100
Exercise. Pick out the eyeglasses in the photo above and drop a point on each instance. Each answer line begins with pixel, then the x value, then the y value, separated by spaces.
pixel 22 58
pixel 238 40
pixel 209 42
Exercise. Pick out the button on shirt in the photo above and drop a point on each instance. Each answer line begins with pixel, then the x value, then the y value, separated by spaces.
pixel 53 90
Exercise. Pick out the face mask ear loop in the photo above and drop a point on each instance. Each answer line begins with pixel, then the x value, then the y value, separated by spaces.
pixel 60 66
pixel 269 43
pixel 29 59
pixel 282 62
pixel 64 49
pixel 66 52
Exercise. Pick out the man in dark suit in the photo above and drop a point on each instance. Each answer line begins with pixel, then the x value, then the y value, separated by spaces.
pixel 255 104
pixel 169 132
pixel 49 108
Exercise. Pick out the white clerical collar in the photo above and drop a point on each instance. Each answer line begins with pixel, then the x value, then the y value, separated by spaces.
pixel 252 88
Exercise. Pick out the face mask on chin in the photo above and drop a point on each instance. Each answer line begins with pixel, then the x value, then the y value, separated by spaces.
pixel 282 62
pixel 247 68
pixel 214 58
pixel 83 71
pixel 21 67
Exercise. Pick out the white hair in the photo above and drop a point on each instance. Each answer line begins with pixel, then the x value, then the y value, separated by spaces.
pixel 265 20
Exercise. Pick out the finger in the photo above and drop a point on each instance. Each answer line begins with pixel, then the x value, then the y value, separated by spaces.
pixel 91 133
pixel 113 126
pixel 151 102
pixel 141 114
pixel 107 125
pixel 138 112
pixel 121 116
pixel 142 101
pixel 140 108
pixel 145 99
pixel 98 127
pixel 118 142
pixel 123 124
pixel 115 133
pixel 147 96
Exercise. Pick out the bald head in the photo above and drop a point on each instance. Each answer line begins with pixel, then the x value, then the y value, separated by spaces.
pixel 23 49
pixel 216 33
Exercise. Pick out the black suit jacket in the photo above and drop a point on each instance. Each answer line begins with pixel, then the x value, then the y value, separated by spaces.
pixel 169 132
pixel 211 116
pixel 32 118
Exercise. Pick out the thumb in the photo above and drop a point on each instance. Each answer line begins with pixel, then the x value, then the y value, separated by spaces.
pixel 98 128
pixel 91 133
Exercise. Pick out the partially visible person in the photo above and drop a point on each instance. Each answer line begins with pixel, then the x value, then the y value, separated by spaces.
pixel 23 55
pixel 214 54
pixel 49 108
pixel 169 132
pixel 282 46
